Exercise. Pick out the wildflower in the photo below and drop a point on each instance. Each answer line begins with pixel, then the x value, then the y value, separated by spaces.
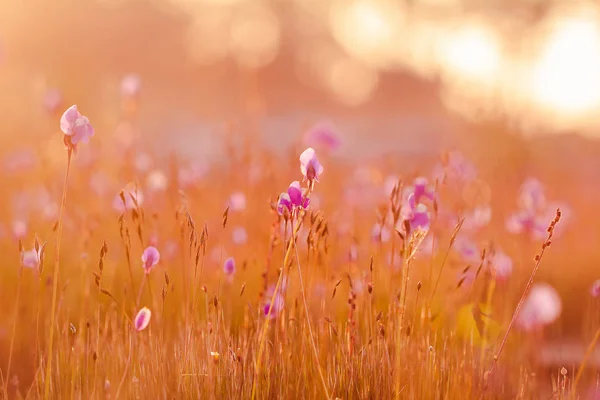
pixel 239 235
pixel 310 166
pixel 501 265
pixel 76 127
pixel 542 307
pixel 19 228
pixel 150 257
pixel 229 266
pixel 157 180
pixel 323 135
pixel 32 258
pixel 237 201
pixel 380 233
pixel 142 319
pixel 277 305
pixel 295 198
pixel 415 215
pixel 455 167
pixel 52 100
pixel 595 289
pixel 130 85
pixel 422 190
pixel 477 218
pixel 130 199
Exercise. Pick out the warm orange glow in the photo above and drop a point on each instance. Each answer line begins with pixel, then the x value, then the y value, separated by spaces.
pixel 567 75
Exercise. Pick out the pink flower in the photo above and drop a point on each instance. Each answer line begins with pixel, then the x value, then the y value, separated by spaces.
pixel 52 100
pixel 237 201
pixel 130 85
pixel 142 319
pixel 501 264
pixel 542 307
pixel 133 199
pixel 31 259
pixel 229 266
pixel 76 126
pixel 295 198
pixel 595 289
pixel 239 235
pixel 421 190
pixel 323 135
pixel 310 166
pixel 150 257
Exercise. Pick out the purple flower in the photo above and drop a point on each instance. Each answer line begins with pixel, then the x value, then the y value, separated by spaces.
pixel 76 126
pixel 380 233
pixel 501 264
pixel 31 258
pixel 455 167
pixel 531 195
pixel 239 235
pixel 527 222
pixel 52 100
pixel 421 190
pixel 323 135
pixel 150 257
pixel 295 198
pixel 595 289
pixel 278 304
pixel 542 307
pixel 237 201
pixel 130 85
pixel 142 319
pixel 229 266
pixel 468 251
pixel 416 214
pixel 133 199
pixel 310 166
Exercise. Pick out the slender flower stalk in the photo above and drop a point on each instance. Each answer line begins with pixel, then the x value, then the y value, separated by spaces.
pixel 48 375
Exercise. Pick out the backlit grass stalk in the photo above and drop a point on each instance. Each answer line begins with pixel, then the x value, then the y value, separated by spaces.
pixel 310 331
pixel 14 332
pixel 271 306
pixel 538 261
pixel 48 375
pixel 587 356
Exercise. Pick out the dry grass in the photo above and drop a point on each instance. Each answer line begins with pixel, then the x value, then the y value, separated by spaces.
pixel 379 331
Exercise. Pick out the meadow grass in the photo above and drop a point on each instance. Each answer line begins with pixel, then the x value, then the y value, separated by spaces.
pixel 318 305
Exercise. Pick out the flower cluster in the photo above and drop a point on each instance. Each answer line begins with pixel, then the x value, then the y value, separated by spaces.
pixel 296 197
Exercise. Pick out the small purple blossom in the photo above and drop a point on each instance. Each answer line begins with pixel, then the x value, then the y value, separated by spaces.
pixel 133 199
pixel 237 201
pixel 595 289
pixel 76 126
pixel 501 265
pixel 310 167
pixel 142 319
pixel 294 199
pixel 277 305
pixel 239 235
pixel 52 100
pixel 31 258
pixel 130 85
pixel 150 257
pixel 229 266
pixel 323 135
pixel 455 168
pixel 422 190
pixel 542 307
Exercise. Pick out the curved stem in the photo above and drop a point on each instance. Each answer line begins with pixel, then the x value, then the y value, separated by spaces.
pixel 48 375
